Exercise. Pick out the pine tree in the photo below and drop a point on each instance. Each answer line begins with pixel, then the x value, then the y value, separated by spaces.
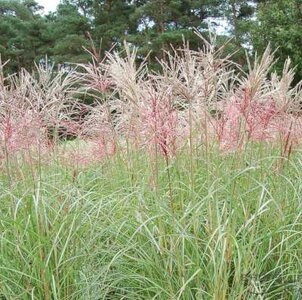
pixel 67 29
pixel 21 29
pixel 162 23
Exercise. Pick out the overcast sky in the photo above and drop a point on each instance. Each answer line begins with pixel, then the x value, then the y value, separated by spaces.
pixel 49 5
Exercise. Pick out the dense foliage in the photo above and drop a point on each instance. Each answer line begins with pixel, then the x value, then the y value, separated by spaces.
pixel 27 35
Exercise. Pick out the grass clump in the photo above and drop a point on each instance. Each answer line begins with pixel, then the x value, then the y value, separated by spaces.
pixel 107 234
pixel 179 185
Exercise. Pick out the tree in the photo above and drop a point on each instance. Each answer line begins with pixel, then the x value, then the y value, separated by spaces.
pixel 161 23
pixel 20 32
pixel 67 33
pixel 240 16
pixel 112 23
pixel 279 22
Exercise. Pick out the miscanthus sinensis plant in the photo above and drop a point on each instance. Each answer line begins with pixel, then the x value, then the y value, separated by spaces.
pixel 181 184
pixel 206 99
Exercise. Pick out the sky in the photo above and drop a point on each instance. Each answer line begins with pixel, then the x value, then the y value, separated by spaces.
pixel 49 5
